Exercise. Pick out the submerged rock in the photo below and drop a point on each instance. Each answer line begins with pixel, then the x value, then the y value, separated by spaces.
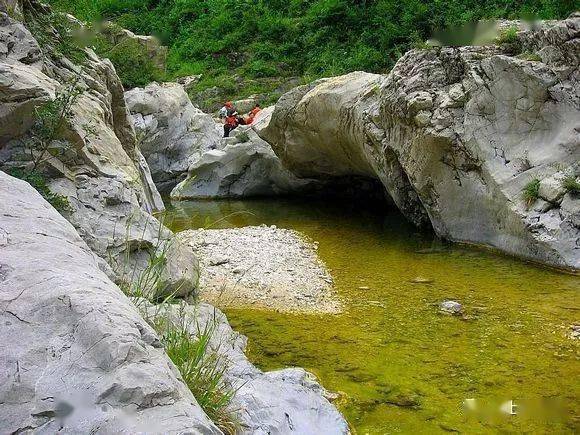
pixel 454 135
pixel 451 307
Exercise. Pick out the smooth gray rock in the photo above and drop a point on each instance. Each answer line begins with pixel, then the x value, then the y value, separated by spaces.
pixel 451 307
pixel 454 135
pixel 278 402
pixel 246 166
pixel 172 132
pixel 75 355
pixel 179 276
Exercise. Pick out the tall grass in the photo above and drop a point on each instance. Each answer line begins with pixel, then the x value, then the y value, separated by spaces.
pixel 531 191
pixel 202 370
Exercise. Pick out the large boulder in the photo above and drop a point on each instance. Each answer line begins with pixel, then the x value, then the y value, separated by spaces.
pixel 102 173
pixel 455 135
pixel 277 402
pixel 75 355
pixel 243 166
pixel 172 132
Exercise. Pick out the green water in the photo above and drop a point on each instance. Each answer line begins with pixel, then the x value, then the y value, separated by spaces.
pixel 400 365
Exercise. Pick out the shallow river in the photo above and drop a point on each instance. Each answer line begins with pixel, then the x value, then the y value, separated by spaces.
pixel 400 365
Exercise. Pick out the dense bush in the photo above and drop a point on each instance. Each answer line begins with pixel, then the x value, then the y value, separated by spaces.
pixel 314 38
pixel 131 61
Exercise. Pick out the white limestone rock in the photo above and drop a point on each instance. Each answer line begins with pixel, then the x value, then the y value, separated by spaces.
pixel 75 355
pixel 242 168
pixel 454 135
pixel 172 132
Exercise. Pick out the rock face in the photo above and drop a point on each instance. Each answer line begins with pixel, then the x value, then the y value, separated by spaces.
pixel 262 266
pixel 75 355
pixel 243 166
pixel 455 135
pixel 278 402
pixel 102 173
pixel 172 132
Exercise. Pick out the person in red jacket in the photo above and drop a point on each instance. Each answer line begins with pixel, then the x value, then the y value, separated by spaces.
pixel 252 115
pixel 230 118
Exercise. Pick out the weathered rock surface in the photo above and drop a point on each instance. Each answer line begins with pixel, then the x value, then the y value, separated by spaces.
pixel 75 355
pixel 172 132
pixel 102 173
pixel 261 266
pixel 243 166
pixel 454 135
pixel 278 402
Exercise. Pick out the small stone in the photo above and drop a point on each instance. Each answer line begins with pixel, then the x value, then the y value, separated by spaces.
pixel 451 307
pixel 363 287
pixel 423 118
pixel 421 280
pixel 219 261
pixel 575 332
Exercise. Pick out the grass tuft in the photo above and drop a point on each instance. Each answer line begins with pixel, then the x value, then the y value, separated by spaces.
pixel 508 36
pixel 531 191
pixel 202 370
pixel 243 137
pixel 571 184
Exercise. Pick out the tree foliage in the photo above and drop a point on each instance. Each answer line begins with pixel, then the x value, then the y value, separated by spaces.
pixel 313 38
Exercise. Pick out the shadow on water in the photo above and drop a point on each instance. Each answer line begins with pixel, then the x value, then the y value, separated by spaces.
pixel 402 366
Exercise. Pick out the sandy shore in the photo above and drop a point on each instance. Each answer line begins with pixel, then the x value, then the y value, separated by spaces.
pixel 263 267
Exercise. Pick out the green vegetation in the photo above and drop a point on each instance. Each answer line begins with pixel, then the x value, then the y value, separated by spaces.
pixel 202 370
pixel 56 34
pixel 131 60
pixel 43 144
pixel 531 191
pixel 50 120
pixel 571 184
pixel 37 180
pixel 243 136
pixel 261 39
pixel 532 57
pixel 508 36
